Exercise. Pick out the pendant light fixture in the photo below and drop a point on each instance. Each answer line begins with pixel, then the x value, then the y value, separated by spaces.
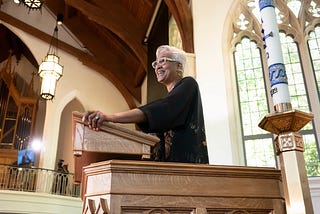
pixel 50 70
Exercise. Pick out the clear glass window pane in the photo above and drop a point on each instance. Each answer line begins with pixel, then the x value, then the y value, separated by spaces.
pixel 298 95
pixel 311 155
pixel 253 104
pixel 260 152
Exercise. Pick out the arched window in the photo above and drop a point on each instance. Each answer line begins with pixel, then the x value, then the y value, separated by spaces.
pixel 314 48
pixel 253 104
pixel 300 37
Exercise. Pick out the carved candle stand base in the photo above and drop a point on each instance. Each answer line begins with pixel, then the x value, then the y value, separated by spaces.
pixel 290 147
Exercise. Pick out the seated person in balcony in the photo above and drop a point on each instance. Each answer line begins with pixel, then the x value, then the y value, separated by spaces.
pixel 177 119
pixel 26 157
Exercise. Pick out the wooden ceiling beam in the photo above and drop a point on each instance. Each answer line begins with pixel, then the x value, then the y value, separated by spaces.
pixel 108 51
pixel 85 58
pixel 125 27
pixel 126 53
pixel 182 14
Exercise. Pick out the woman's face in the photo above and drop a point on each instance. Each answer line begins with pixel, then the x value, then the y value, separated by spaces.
pixel 166 72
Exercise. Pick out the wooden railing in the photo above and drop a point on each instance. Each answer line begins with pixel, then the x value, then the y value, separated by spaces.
pixel 40 180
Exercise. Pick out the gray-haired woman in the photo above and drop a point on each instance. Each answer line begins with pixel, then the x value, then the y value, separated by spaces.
pixel 177 119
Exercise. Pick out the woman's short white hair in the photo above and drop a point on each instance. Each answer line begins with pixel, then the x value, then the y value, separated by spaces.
pixel 176 54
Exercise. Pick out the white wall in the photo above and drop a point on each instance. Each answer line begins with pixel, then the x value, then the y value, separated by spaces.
pixel 38 203
pixel 208 19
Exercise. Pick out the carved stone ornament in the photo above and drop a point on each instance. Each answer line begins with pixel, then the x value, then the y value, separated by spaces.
pixel 289 141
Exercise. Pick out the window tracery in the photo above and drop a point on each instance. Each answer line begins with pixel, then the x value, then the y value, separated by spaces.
pixel 299 24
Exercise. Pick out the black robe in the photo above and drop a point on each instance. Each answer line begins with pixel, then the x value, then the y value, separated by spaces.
pixel 178 121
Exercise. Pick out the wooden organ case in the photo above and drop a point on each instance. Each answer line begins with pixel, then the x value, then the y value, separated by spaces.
pixel 17 115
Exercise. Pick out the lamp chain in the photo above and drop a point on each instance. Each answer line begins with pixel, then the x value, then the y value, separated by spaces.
pixel 53 48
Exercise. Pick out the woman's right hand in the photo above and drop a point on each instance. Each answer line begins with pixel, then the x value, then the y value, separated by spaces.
pixel 94 119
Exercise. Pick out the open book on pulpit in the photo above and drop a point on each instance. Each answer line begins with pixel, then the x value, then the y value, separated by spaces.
pixel 112 141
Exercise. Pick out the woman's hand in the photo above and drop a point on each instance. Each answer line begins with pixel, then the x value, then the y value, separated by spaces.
pixel 94 118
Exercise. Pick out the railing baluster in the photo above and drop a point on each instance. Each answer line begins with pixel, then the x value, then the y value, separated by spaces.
pixel 37 180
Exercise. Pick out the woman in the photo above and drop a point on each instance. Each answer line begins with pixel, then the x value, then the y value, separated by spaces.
pixel 177 119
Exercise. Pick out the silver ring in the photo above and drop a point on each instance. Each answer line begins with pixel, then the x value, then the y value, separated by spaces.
pixel 97 118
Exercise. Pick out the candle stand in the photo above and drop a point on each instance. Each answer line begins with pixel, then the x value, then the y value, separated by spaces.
pixel 289 148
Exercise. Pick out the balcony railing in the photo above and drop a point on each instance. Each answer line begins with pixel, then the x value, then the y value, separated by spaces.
pixel 38 180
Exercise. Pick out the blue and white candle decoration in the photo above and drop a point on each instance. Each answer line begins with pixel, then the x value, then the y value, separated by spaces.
pixel 277 72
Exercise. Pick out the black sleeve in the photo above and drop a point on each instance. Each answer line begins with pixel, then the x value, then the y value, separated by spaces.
pixel 172 111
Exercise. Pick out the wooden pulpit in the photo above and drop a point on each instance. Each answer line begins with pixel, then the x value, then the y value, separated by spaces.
pixel 111 142
pixel 147 187
pixel 117 177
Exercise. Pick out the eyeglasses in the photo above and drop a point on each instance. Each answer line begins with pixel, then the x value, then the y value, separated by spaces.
pixel 161 61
